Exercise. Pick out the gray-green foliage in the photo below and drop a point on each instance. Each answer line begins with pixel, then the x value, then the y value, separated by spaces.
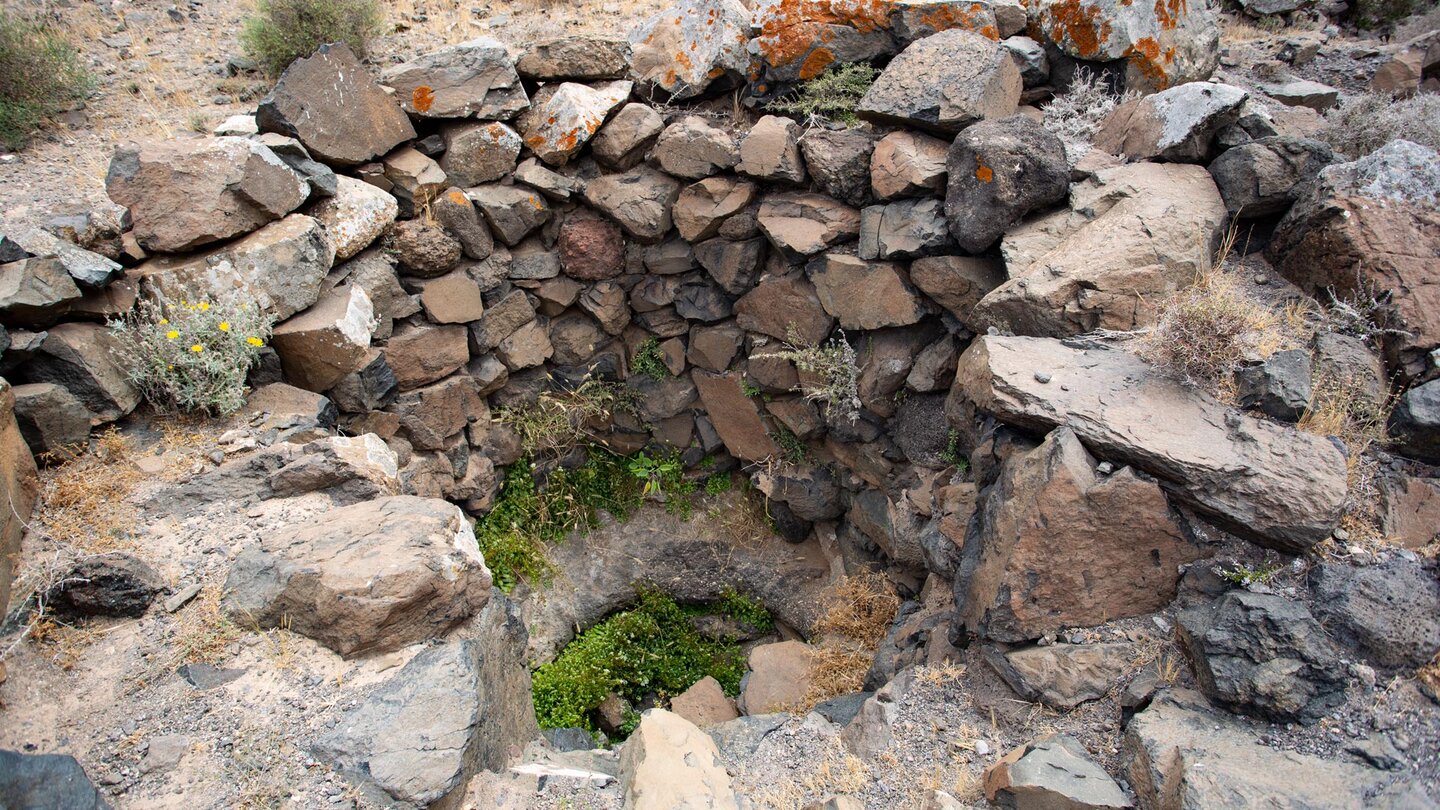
pixel 833 94
pixel 1364 122
pixel 192 356
pixel 40 75
pixel 282 31
pixel 835 365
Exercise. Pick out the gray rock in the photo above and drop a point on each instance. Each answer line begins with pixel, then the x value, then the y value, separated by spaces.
pixel 1279 386
pixel 623 141
pixel 839 162
pixel 329 103
pixel 81 358
pixel 50 418
pixel 905 229
pixel 640 200
pixel 1301 93
pixel 769 151
pixel 1264 655
pixel 1262 177
pixel 35 292
pixel 512 211
pixel 574 58
pixel 1034 64
pixel 472 79
pixel 1178 125
pixel 1161 49
pixel 712 34
pixel 1051 773
pixel 1415 422
pixel 1278 486
pixel 693 148
pixel 945 83
pixel 999 171
pixel 89 270
pixel 46 782
pixel 802 224
pixel 564 117
pixel 453 710
pixel 479 152
pixel 1062 676
pixel 1389 612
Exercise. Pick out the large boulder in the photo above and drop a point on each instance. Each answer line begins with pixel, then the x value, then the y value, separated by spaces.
pixel 1162 46
pixel 1263 654
pixel 367 578
pixel 564 117
pixel 1061 545
pixel 1263 177
pixel 84 359
pixel 324 343
pixel 453 710
pixel 474 79
pixel 186 193
pixel 1178 125
pixel 1270 483
pixel 1132 235
pixel 280 267
pixel 999 171
pixel 683 49
pixel 36 292
pixel 1372 228
pixel 1184 754
pixel 945 83
pixel 330 104
pixel 669 764
pixel 1053 772
pixel 1389 612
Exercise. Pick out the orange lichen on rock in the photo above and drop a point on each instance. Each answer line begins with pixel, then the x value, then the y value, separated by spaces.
pixel 816 62
pixel 983 173
pixel 1080 24
pixel 1145 56
pixel 795 26
pixel 422 98
pixel 1169 12
pixel 457 196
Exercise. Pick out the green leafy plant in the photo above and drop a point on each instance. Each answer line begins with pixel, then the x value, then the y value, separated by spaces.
pixel 792 448
pixel 749 389
pixel 527 516
pixel 41 74
pixel 745 609
pixel 719 484
pixel 651 648
pixel 835 366
pixel 282 31
pixel 1244 575
pixel 650 361
pixel 654 472
pixel 834 94
pixel 952 453
pixel 192 356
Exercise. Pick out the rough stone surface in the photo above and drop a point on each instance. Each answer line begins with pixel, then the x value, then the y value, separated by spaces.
pixel 703 207
pixel 999 171
pixel 451 711
pixel 1178 125
pixel 1052 530
pixel 1054 772
pixel 640 200
pixel 1279 386
pixel 415 179
pixel 355 216
pixel 512 211
pixel 864 295
pixel 46 782
pixel 735 416
pixel 1273 484
pixel 35 292
pixel 1263 177
pixel 321 345
pixel 1264 655
pixel 1132 235
pixel 694 148
pixel 50 417
pixel 1410 509
pixel 422 354
pixel 769 151
pixel 957 283
pixel 479 152
pixel 779 304
pixel 591 247
pixel 704 704
pixel 1063 676
pixel 473 79
pixel 186 193
pixel 91 271
pixel 564 117
pixel 112 584
pixel 839 162
pixel 81 358
pixel 905 229
pixel 669 764
pixel 683 49
pixel 372 577
pixel 802 224
pixel 944 83
pixel 1162 47
pixel 627 136
pixel 1389 612
pixel 575 58
pixel 908 164
pixel 330 104
pixel 779 677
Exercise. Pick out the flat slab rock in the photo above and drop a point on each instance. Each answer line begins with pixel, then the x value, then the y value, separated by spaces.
pixel 1272 484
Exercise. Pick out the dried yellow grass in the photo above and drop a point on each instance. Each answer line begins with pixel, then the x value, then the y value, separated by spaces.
pixel 83 495
pixel 859 613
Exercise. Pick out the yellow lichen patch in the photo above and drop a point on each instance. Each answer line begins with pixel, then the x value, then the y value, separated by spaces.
pixel 457 196
pixel 422 98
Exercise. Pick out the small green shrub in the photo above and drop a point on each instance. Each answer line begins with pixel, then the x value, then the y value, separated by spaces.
pixel 40 75
pixel 952 453
pixel 650 361
pixel 526 517
pixel 835 364
pixel 719 484
pixel 792 448
pixel 749 389
pixel 1371 14
pixel 282 31
pixel 651 648
pixel 561 420
pixel 192 356
pixel 1244 575
pixel 745 610
pixel 833 94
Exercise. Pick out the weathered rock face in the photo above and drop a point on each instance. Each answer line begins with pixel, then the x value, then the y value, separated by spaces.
pixel 371 577
pixel 702 208
pixel 999 171
pixel 1054 772
pixel 1051 533
pixel 479 152
pixel 778 304
pixel 839 162
pixel 512 211
pixel 1062 676
pixel 1389 612
pixel 1371 227
pixel 625 138
pixel 640 200
pixel 1163 46
pixel 473 79
pixel 704 704
pixel 50 418
pixel 1273 484
pixel 281 267
pixel 187 193
pixel 669 764
pixel 91 271
pixel 779 677
pixel 453 710
pixel 355 216
pixel 769 151
pixel 46 780
pixel 802 224
pixel 864 295
pixel 957 283
pixel 564 117
pixel 1183 754
pixel 1262 177
pixel 1265 655
pixel 945 83
pixel 35 292
pixel 684 49
pixel 1415 422
pixel 112 584
pixel 574 58
pixel 82 359
pixel 694 148
pixel 904 230
pixel 1177 125
pixel 1278 386
pixel 1132 235
pixel 20 483
pixel 327 341
pixel 331 105
pixel 736 417
pixel 591 247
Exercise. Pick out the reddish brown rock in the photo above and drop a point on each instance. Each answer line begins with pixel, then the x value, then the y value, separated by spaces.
pixel 779 304
pixel 803 224
pixel 908 164
pixel 779 678
pixel 1410 510
pixel 735 416
pixel 957 283
pixel 526 347
pixel 423 248
pixel 703 207
pixel 591 247
pixel 625 138
pixel 419 355
pixel 704 704
pixel 864 295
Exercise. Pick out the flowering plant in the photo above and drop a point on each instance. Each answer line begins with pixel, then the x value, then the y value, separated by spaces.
pixel 194 355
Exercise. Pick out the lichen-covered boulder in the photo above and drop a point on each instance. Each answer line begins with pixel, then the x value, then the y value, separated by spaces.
pixel 1165 43
pixel 471 79
pixel 683 49
pixel 565 116
pixel 945 83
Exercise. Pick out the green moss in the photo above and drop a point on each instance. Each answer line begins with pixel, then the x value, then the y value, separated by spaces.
pixel 41 74
pixel 653 648
pixel 745 610
pixel 952 454
pixel 282 31
pixel 526 517
pixel 650 361
pixel 834 94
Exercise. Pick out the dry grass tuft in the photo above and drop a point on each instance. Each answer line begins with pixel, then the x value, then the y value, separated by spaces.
pixel 82 497
pixel 1429 675
pixel 859 614
pixel 834 771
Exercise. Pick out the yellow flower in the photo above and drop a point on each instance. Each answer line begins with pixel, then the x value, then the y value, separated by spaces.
pixel 197 348
pixel 204 307
pixel 164 321
pixel 254 341
pixel 224 326
pixel 172 334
